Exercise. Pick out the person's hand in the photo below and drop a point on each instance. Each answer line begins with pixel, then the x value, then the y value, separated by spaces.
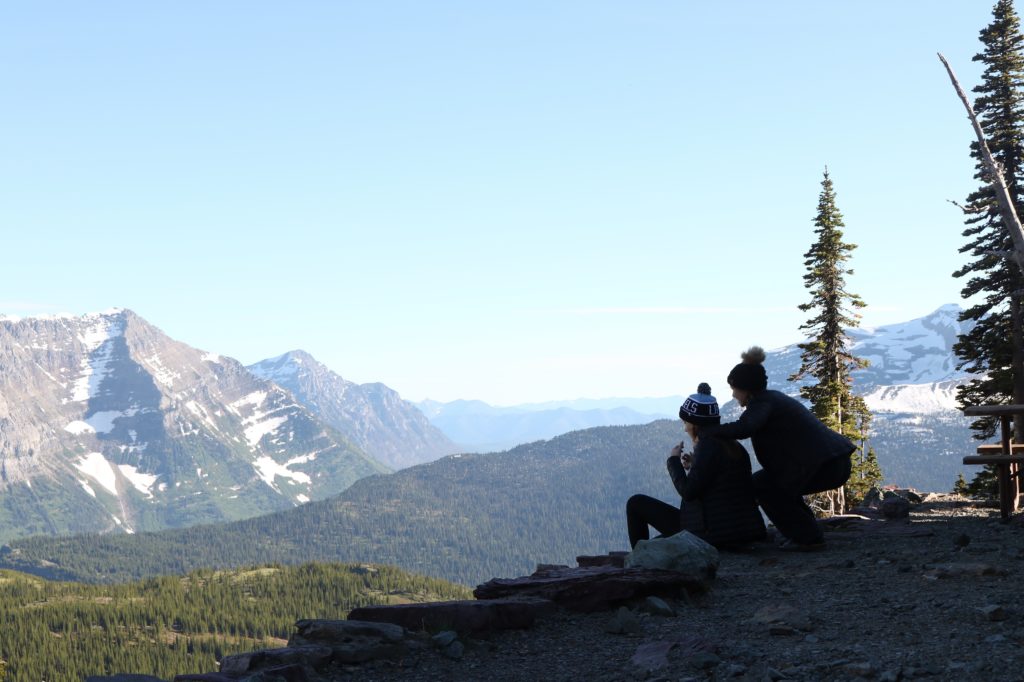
pixel 677 451
pixel 687 460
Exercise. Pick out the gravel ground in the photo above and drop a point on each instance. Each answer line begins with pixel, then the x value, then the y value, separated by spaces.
pixel 935 597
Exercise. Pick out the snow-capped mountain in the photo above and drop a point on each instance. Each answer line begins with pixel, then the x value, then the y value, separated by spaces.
pixel 913 367
pixel 372 416
pixel 106 423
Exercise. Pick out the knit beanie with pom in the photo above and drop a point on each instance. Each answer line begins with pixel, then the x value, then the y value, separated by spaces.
pixel 749 375
pixel 701 408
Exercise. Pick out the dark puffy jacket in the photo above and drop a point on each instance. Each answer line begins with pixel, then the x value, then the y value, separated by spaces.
pixel 790 443
pixel 718 497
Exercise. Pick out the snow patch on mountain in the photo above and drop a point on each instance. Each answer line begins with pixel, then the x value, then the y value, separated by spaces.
pixel 78 427
pixel 254 432
pixel 269 470
pixel 159 371
pixel 96 336
pixel 919 351
pixel 273 369
pixel 934 398
pixel 141 481
pixel 254 399
pixel 98 329
pixel 95 466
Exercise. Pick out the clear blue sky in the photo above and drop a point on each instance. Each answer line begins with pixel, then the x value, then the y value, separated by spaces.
pixel 514 201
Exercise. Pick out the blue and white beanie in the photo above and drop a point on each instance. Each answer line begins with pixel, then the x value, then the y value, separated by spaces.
pixel 700 408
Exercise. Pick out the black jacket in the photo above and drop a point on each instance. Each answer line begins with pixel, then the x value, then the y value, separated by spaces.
pixel 790 443
pixel 718 497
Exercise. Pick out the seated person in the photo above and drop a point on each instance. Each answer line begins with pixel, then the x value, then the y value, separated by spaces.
pixel 714 483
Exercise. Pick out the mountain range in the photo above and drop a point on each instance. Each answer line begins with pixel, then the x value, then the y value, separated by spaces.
pixel 107 424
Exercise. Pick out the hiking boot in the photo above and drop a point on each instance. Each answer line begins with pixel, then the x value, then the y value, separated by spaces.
pixel 794 546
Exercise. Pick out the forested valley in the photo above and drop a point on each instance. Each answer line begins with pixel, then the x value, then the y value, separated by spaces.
pixel 170 625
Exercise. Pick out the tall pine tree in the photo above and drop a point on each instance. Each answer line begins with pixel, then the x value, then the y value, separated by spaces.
pixel 994 348
pixel 826 355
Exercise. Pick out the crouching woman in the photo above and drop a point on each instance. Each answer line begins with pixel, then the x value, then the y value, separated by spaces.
pixel 714 484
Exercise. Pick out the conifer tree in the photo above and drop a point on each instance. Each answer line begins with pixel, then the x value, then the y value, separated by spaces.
pixel 866 473
pixel 994 348
pixel 826 356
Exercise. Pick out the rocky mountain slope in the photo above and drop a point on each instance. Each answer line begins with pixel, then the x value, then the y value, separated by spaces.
pixel 372 416
pixel 108 424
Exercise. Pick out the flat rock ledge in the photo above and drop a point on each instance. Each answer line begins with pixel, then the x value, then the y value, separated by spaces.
pixel 593 588
pixel 467 616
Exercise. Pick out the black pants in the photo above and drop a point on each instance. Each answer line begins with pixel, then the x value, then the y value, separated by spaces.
pixel 788 511
pixel 643 511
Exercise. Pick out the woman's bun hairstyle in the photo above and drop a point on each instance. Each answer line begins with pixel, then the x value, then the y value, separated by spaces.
pixel 753 355
pixel 749 375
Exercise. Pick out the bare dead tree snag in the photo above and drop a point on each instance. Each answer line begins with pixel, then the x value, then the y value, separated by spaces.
pixel 1006 208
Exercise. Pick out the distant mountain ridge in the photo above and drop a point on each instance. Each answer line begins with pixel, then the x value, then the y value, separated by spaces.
pixel 910 386
pixel 372 416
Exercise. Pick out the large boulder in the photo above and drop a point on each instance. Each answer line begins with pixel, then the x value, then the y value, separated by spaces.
pixel 683 552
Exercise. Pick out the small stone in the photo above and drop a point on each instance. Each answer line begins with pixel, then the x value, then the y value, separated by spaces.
pixel 656 606
pixel 652 656
pixel 443 639
pixel 961 539
pixel 624 622
pixel 703 660
pixel 892 675
pixel 864 669
pixel 895 508
pixel 811 639
pixel 994 612
pixel 782 631
pixel 454 650
pixel 995 639
pixel 735 670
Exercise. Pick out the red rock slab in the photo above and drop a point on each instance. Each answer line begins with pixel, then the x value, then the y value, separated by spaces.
pixel 463 616
pixel 595 588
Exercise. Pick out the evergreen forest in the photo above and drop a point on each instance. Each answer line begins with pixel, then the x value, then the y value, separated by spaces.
pixel 166 626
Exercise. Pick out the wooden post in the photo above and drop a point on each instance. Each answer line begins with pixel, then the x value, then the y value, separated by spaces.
pixel 1006 207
